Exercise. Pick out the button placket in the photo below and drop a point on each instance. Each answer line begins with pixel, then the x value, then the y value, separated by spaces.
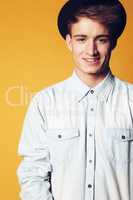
pixel 91 118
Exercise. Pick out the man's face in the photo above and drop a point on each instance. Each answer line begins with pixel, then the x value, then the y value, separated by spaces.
pixel 90 45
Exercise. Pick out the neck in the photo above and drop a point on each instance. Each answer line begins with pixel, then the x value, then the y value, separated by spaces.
pixel 91 79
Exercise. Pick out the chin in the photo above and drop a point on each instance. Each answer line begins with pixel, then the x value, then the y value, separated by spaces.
pixel 93 70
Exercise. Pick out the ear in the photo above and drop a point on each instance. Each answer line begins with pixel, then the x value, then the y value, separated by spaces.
pixel 69 41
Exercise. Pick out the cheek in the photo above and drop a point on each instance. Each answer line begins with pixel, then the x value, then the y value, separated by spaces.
pixel 77 50
pixel 104 52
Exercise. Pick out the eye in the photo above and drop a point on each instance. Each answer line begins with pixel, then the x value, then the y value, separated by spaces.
pixel 103 40
pixel 80 39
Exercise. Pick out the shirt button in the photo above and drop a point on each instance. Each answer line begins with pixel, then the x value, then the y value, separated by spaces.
pixel 123 137
pixel 90 161
pixel 92 109
pixel 89 186
pixel 90 135
pixel 59 136
pixel 92 91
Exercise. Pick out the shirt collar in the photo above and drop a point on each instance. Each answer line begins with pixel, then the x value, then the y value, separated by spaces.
pixel 101 90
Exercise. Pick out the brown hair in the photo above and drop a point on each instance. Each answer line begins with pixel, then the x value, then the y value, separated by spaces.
pixel 112 16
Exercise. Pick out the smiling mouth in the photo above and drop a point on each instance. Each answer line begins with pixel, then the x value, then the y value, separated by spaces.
pixel 91 60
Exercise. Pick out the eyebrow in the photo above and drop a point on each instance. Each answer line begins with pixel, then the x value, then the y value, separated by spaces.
pixel 85 36
pixel 80 35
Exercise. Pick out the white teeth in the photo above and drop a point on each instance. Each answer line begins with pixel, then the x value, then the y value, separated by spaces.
pixel 91 60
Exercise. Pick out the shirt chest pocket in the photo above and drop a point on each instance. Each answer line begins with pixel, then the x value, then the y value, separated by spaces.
pixel 119 144
pixel 62 144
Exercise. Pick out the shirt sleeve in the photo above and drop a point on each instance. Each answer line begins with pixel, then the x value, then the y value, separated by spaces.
pixel 35 168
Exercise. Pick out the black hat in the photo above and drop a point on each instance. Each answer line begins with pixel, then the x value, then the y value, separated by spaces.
pixel 72 6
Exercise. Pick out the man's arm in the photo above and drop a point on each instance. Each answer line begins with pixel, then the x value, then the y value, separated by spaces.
pixel 33 171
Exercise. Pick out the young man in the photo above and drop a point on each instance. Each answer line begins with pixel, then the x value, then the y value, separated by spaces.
pixel 77 139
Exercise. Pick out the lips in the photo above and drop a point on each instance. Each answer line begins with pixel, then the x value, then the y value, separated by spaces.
pixel 91 60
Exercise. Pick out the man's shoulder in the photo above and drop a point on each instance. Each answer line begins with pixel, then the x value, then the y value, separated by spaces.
pixel 124 83
pixel 125 86
pixel 53 89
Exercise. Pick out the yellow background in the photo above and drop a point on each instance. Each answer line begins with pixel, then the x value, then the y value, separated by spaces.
pixel 33 56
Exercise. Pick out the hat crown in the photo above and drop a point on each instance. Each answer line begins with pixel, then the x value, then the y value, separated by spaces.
pixel 72 6
pixel 95 2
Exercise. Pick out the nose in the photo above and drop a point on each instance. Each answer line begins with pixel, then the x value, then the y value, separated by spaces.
pixel 91 48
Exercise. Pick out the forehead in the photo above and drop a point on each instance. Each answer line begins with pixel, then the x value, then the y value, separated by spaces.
pixel 90 27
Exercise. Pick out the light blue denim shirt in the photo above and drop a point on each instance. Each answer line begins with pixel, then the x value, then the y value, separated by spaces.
pixel 77 142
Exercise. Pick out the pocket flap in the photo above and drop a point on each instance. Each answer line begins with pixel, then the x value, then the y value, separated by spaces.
pixel 121 133
pixel 62 134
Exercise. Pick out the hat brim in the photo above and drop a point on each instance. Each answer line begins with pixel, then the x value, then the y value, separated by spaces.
pixel 64 15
